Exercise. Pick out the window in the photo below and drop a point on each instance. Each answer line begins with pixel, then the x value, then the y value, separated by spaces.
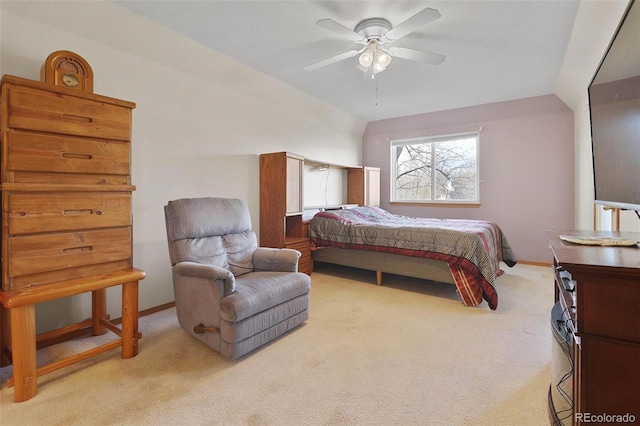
pixel 441 169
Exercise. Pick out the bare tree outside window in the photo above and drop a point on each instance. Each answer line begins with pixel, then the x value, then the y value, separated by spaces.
pixel 443 169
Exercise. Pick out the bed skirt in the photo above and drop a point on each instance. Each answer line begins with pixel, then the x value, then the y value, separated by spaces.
pixel 417 267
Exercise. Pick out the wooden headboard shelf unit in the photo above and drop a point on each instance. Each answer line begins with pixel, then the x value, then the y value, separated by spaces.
pixel 282 205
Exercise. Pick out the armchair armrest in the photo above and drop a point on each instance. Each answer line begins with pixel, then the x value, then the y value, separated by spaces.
pixel 208 272
pixel 274 259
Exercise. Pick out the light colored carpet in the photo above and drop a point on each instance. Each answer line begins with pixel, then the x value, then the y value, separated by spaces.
pixel 406 353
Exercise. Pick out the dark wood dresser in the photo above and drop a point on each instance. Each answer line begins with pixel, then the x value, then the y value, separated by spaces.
pixel 599 287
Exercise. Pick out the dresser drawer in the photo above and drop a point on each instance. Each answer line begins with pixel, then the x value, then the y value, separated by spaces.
pixel 52 212
pixel 34 254
pixel 47 153
pixel 53 112
pixel 305 265
pixel 303 245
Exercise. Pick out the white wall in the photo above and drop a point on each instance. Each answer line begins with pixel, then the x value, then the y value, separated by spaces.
pixel 595 26
pixel 201 121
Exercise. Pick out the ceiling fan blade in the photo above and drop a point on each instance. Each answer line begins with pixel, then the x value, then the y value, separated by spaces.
pixel 341 30
pixel 332 60
pixel 417 55
pixel 420 19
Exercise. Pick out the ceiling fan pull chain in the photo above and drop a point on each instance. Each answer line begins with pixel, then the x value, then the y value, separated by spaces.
pixel 376 81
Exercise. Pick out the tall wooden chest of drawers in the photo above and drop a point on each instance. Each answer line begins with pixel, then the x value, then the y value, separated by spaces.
pixel 66 184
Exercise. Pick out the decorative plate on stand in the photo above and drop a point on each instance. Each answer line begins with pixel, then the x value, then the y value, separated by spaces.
pixel 598 241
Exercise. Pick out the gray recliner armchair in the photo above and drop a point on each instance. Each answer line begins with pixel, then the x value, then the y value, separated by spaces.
pixel 231 294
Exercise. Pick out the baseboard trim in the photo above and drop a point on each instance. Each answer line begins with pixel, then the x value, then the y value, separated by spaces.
pixel 155 309
pixel 530 262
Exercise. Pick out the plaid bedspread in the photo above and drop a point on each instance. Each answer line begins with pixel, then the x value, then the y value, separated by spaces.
pixel 473 249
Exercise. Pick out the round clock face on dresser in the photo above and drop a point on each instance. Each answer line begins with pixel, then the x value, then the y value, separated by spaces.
pixel 69 80
pixel 67 69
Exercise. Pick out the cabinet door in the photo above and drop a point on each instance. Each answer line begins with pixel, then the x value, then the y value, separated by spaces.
pixel 372 186
pixel 609 376
pixel 364 186
pixel 294 185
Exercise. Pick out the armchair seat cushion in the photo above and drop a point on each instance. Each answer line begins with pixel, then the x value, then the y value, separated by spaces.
pixel 260 291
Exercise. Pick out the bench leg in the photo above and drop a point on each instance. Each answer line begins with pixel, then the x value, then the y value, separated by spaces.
pixel 130 319
pixel 5 336
pixel 98 310
pixel 23 348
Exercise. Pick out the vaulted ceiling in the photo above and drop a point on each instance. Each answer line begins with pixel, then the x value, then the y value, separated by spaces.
pixel 495 50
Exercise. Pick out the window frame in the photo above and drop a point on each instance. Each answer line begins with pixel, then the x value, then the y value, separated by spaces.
pixel 430 140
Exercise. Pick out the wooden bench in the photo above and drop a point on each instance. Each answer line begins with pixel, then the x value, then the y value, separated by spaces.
pixel 20 305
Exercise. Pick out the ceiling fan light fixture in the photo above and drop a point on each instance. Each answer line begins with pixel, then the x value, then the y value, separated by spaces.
pixel 367 57
pixel 383 58
pixel 378 67
pixel 375 56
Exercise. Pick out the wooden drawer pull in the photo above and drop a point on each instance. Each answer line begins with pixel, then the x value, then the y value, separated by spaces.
pixel 73 250
pixel 78 212
pixel 76 156
pixel 76 118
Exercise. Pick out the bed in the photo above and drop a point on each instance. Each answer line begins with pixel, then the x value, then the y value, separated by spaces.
pixel 466 253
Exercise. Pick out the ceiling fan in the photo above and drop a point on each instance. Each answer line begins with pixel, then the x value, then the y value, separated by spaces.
pixel 373 34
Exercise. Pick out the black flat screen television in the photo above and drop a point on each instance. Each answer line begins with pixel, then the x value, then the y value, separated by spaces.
pixel 614 106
